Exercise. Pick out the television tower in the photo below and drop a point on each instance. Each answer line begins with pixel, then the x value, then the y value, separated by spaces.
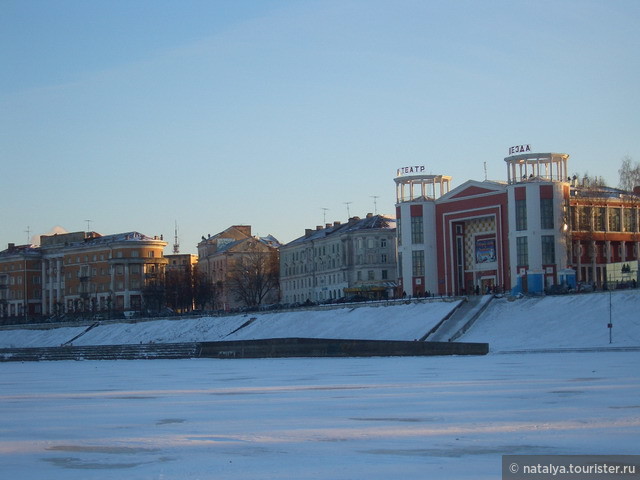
pixel 176 244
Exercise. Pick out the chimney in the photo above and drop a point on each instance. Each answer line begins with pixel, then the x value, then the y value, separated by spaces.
pixel 307 232
pixel 11 246
pixel 318 228
pixel 336 224
pixel 369 215
pixel 328 225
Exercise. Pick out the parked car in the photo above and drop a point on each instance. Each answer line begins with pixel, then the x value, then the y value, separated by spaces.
pixel 557 290
pixel 584 287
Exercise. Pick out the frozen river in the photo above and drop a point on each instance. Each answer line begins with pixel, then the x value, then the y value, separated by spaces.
pixel 357 418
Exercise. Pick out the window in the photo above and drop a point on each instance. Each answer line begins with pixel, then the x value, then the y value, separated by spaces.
pixel 398 230
pixel 584 220
pixel 548 250
pixel 383 243
pixel 417 267
pixel 417 230
pixel 383 258
pixel 522 251
pixel 521 215
pixel 400 264
pixel 371 275
pixel 546 213
pixel 599 218
pixel 630 223
pixel 384 274
pixel 615 220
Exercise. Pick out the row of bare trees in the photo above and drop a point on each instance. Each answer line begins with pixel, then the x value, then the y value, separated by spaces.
pixel 628 174
pixel 253 278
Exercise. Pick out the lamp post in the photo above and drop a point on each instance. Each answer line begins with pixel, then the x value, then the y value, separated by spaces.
pixel 610 325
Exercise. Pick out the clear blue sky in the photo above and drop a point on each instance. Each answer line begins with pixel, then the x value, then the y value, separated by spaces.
pixel 137 114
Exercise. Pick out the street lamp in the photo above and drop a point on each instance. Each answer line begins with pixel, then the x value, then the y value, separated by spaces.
pixel 610 325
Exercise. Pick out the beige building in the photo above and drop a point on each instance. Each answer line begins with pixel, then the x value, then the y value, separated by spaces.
pixel 181 262
pixel 80 272
pixel 223 257
pixel 357 258
pixel 86 271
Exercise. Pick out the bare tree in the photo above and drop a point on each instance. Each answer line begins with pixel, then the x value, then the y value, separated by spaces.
pixel 179 289
pixel 153 295
pixel 255 276
pixel 629 173
pixel 589 181
pixel 205 293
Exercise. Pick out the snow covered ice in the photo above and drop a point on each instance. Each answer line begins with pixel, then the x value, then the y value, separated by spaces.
pixel 336 418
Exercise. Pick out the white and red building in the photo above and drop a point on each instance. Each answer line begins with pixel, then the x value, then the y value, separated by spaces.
pixel 537 229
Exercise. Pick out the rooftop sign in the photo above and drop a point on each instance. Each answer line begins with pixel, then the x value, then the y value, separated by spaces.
pixel 519 149
pixel 413 170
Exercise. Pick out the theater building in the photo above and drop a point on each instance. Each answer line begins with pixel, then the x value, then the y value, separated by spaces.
pixel 535 230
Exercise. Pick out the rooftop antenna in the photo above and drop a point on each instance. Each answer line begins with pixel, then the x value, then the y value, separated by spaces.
pixel 485 171
pixel 176 244
pixel 28 232
pixel 324 215
pixel 348 213
pixel 88 225
pixel 375 203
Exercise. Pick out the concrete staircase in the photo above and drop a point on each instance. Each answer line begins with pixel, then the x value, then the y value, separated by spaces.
pixel 461 320
pixel 102 352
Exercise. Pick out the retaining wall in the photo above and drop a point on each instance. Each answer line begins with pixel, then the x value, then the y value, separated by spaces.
pixel 278 347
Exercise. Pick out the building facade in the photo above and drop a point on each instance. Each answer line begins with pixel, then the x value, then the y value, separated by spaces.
pixel 339 260
pixel 416 195
pixel 604 234
pixel 225 257
pixel 20 281
pixel 81 272
pixel 538 229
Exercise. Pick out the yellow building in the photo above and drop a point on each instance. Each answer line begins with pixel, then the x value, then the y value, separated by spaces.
pixel 80 272
pixel 223 256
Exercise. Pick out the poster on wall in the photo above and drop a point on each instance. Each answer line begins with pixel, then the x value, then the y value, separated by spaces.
pixel 486 250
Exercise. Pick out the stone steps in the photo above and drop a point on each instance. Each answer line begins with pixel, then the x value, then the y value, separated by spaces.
pixel 102 352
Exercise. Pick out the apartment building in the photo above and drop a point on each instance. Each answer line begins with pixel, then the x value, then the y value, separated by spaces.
pixel 341 260
pixel 20 281
pixel 80 272
pixel 226 257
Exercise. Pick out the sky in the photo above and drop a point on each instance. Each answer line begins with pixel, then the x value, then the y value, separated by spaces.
pixel 283 115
